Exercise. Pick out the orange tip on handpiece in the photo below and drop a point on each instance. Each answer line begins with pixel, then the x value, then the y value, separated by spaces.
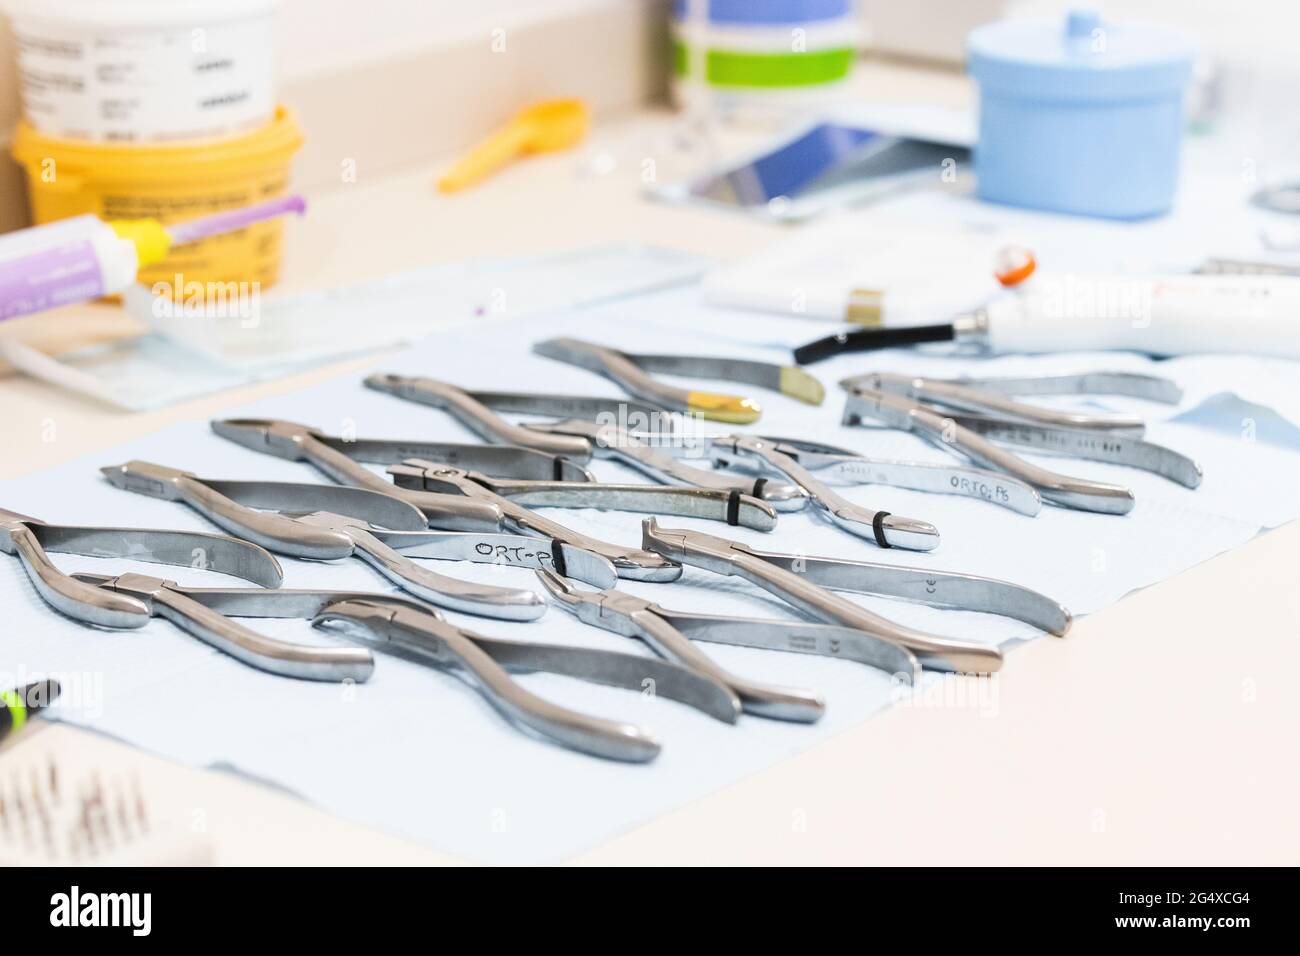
pixel 1014 264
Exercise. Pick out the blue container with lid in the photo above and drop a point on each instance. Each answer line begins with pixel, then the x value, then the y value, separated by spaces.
pixel 1079 116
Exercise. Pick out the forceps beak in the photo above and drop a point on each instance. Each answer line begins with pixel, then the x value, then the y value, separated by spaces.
pixel 645 621
pixel 254 433
pixel 446 646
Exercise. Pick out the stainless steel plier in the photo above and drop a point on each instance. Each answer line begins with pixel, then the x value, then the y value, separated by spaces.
pixel 807 583
pixel 341 459
pixel 970 417
pixel 30 539
pixel 327 522
pixel 631 371
pixel 885 529
pixel 833 464
pixel 415 631
pixel 203 613
pixel 512 497
pixel 635 617
pixel 581 428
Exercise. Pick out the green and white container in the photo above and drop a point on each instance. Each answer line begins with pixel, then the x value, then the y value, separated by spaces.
pixel 768 56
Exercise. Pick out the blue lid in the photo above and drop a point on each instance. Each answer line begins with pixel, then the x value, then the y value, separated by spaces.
pixel 767 12
pixel 1083 57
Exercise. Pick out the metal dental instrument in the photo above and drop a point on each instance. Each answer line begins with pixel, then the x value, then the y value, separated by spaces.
pixel 477 411
pixel 633 563
pixel 885 529
pixel 707 503
pixel 185 608
pixel 634 617
pixel 631 372
pixel 485 662
pixel 833 464
pixel 798 637
pixel 417 632
pixel 888 398
pixel 608 441
pixel 993 396
pixel 30 539
pixel 588 427
pixel 326 522
pixel 341 459
pixel 807 583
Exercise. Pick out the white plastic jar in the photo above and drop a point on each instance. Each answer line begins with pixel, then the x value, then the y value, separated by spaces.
pixel 144 71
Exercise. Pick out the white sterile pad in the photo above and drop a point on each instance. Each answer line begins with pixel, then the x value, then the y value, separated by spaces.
pixel 418 753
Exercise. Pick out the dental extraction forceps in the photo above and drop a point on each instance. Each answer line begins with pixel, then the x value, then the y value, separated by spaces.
pixel 834 464
pixel 633 563
pixel 984 412
pixel 587 427
pixel 625 614
pixel 631 372
pixel 706 503
pixel 30 539
pixel 341 459
pixel 326 522
pixel 634 617
pixel 417 632
pixel 885 529
pixel 185 608
pixel 807 583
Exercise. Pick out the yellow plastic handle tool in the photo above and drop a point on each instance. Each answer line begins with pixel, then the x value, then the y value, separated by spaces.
pixel 541 128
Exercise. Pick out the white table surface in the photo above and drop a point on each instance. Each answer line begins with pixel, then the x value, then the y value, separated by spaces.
pixel 1187 757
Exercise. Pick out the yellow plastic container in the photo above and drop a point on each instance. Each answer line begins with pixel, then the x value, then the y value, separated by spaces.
pixel 171 183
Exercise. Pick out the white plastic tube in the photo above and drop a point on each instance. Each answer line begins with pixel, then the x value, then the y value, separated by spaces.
pixel 1167 315
pixel 63 262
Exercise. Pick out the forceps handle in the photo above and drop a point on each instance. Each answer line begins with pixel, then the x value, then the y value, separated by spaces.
pixel 1109 447
pixel 617 366
pixel 798 637
pixel 765 700
pixel 1081 493
pixel 709 503
pixel 974 399
pixel 886 530
pixel 258 650
pixel 273 531
pixel 447 647
pixel 671 470
pixel 267 529
pixel 614 740
pixel 476 416
pixel 729 557
pixel 451 512
pixel 631 563
pixel 616 443
pixel 486 600
pixel 982 485
pixel 966 592
pixel 933 651
pixel 84 602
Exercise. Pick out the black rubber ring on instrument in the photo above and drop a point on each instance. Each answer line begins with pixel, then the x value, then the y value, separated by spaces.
pixel 558 469
pixel 758 488
pixel 557 558
pixel 733 508
pixel 878 526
